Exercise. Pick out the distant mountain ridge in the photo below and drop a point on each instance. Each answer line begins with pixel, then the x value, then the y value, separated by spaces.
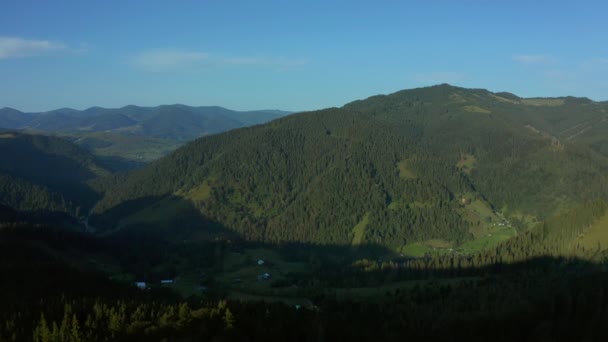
pixel 128 137
pixel 174 122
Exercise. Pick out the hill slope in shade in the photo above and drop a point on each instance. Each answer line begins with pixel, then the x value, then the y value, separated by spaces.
pixel 41 173
pixel 441 164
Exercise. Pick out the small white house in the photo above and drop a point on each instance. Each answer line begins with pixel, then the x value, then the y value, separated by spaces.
pixel 260 262
pixel 141 285
pixel 264 276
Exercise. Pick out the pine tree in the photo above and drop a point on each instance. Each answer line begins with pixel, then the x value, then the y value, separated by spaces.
pixel 229 319
pixel 75 334
pixel 42 332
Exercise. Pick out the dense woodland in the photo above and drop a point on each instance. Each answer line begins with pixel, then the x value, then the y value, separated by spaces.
pixel 401 162
pixel 530 288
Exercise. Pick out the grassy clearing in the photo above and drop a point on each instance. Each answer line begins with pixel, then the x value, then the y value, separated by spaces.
pixel 528 220
pixel 466 163
pixel 457 98
pixel 476 109
pixel 503 99
pixel 359 231
pixel 487 227
pixel 596 236
pixel 494 236
pixel 404 171
pixel 201 192
pixel 394 205
pixel 127 146
pixel 240 271
pixel 7 135
pixel 480 211
pixel 420 249
pixel 543 102
pixel 417 249
pixel 185 285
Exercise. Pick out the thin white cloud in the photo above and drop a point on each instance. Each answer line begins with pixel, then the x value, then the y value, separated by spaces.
pixel 173 60
pixel 438 77
pixel 532 59
pixel 14 47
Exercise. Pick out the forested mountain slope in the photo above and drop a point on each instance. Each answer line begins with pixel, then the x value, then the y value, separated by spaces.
pixel 438 163
pixel 41 173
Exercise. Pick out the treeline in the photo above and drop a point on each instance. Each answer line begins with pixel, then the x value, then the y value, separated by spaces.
pixel 526 306
pixel 536 286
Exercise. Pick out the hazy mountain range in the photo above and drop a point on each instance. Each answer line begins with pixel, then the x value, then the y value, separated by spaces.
pixel 129 136
pixel 175 122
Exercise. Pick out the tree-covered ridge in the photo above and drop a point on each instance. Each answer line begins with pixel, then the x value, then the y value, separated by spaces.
pixel 390 170
pixel 42 173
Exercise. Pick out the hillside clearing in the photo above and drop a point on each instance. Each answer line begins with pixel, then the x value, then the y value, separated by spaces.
pixel 359 230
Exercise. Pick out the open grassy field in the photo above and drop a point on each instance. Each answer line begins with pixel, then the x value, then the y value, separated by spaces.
pixel 595 236
pixel 487 227
pixel 543 102
pixel 201 192
pixel 359 231
pixel 420 249
pixel 405 172
pixel 240 270
pixel 494 236
pixel 127 147
pixel 480 216
pixel 503 99
pixel 476 109
pixel 466 163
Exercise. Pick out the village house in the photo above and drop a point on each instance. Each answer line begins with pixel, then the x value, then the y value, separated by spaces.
pixel 264 276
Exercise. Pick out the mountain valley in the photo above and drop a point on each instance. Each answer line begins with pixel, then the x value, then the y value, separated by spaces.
pixel 437 211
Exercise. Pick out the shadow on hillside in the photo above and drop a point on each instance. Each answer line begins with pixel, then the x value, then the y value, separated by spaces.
pixel 118 164
pixel 178 220
pixel 180 223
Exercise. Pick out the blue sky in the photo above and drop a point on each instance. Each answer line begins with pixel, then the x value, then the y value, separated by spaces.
pixel 293 55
